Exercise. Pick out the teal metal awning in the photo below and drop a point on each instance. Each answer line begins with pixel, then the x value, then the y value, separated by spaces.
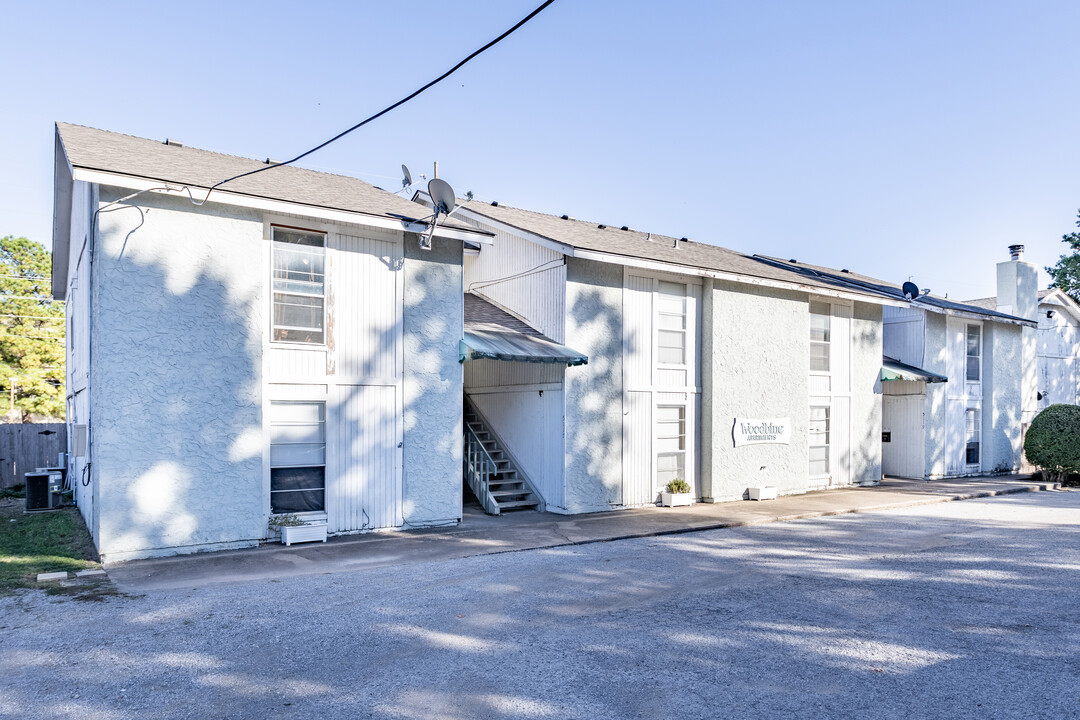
pixel 516 348
pixel 895 370
pixel 493 332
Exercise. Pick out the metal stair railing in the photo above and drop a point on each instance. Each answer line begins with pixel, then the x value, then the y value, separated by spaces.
pixel 479 467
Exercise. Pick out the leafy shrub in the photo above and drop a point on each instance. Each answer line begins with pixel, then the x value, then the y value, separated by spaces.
pixel 1053 442
pixel 678 485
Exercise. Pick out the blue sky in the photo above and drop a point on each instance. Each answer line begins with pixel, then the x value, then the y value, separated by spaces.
pixel 896 139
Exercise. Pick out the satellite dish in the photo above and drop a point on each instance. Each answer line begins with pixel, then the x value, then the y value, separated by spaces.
pixel 407 180
pixel 911 290
pixel 442 196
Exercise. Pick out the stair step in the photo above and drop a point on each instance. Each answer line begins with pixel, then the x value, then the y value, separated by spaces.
pixel 509 493
pixel 518 504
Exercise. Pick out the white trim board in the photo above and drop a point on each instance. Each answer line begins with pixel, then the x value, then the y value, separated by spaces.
pixel 225 197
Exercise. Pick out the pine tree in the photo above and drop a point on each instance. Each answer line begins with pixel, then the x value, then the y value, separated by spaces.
pixel 32 332
pixel 1066 273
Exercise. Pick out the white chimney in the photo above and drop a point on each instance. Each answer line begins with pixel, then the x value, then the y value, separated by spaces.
pixel 1017 288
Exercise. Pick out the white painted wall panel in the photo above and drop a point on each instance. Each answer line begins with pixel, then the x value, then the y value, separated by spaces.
pixel 902 419
pixel 367 318
pixel 841 440
pixel 538 296
pixel 487 373
pixel 363 477
pixel 530 426
pixel 637 457
pixel 637 330
pixel 284 363
pixel 841 348
pixel 904 334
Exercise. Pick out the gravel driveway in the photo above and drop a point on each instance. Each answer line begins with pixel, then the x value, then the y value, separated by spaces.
pixel 966 609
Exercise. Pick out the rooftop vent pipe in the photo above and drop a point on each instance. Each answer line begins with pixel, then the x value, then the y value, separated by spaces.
pixel 177 143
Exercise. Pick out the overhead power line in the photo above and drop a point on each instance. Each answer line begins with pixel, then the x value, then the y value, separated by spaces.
pixel 382 112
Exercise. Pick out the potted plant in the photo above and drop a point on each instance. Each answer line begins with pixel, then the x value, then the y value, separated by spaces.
pixel 293 529
pixel 676 493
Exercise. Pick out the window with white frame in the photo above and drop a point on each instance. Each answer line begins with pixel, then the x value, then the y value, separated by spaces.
pixel 974 352
pixel 670 444
pixel 820 336
pixel 819 440
pixel 671 324
pixel 299 285
pixel 971 435
pixel 297 456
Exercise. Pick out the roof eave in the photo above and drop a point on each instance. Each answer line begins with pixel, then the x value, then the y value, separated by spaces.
pixel 740 278
pixel 229 197
pixel 973 315
pixel 63 187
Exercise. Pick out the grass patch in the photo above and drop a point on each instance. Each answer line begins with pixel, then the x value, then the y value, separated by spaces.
pixel 32 543
pixel 15 491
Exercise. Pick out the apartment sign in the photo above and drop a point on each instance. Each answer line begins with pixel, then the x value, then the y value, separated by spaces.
pixel 771 431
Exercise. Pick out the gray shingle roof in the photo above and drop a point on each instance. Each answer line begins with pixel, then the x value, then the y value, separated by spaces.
pixel 102 150
pixel 889 289
pixel 648 246
pixel 990 303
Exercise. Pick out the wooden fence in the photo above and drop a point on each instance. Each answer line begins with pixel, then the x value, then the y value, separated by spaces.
pixel 25 446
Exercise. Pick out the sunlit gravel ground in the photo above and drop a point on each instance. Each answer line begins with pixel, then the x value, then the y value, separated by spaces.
pixel 959 610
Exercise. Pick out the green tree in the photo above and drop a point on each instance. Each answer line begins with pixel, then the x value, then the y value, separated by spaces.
pixel 31 332
pixel 1066 274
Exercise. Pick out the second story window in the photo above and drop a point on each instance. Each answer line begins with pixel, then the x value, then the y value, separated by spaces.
pixel 974 352
pixel 671 318
pixel 299 286
pixel 820 332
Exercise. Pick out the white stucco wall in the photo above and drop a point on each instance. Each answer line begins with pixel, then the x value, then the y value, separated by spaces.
pixel 433 318
pixel 594 392
pixel 176 375
pixel 755 364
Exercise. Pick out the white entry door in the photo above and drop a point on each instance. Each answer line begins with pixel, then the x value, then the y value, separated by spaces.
pixel 903 435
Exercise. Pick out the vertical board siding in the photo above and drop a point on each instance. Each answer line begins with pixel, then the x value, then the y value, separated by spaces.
pixel 637 453
pixel 902 418
pixel 637 330
pixel 361 370
pixel 24 447
pixel 287 362
pixel 904 334
pixel 539 297
pixel 841 360
pixel 530 425
pixel 362 459
pixel 367 337
pixel 291 391
pixel 841 440
pixel 486 373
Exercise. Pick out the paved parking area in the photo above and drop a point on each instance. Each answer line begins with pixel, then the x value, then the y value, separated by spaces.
pixel 953 610
pixel 481 534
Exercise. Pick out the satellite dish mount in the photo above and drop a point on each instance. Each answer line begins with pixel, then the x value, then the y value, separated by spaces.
pixel 443 200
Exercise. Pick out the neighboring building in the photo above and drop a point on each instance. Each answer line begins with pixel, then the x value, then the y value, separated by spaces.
pixel 285 347
pixel 958 377
pixel 1057 348
pixel 690 348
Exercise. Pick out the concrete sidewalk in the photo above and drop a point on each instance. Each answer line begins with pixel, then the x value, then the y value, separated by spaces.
pixel 480 534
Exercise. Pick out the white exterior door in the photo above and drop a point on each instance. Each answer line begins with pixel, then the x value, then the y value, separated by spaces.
pixel 903 433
